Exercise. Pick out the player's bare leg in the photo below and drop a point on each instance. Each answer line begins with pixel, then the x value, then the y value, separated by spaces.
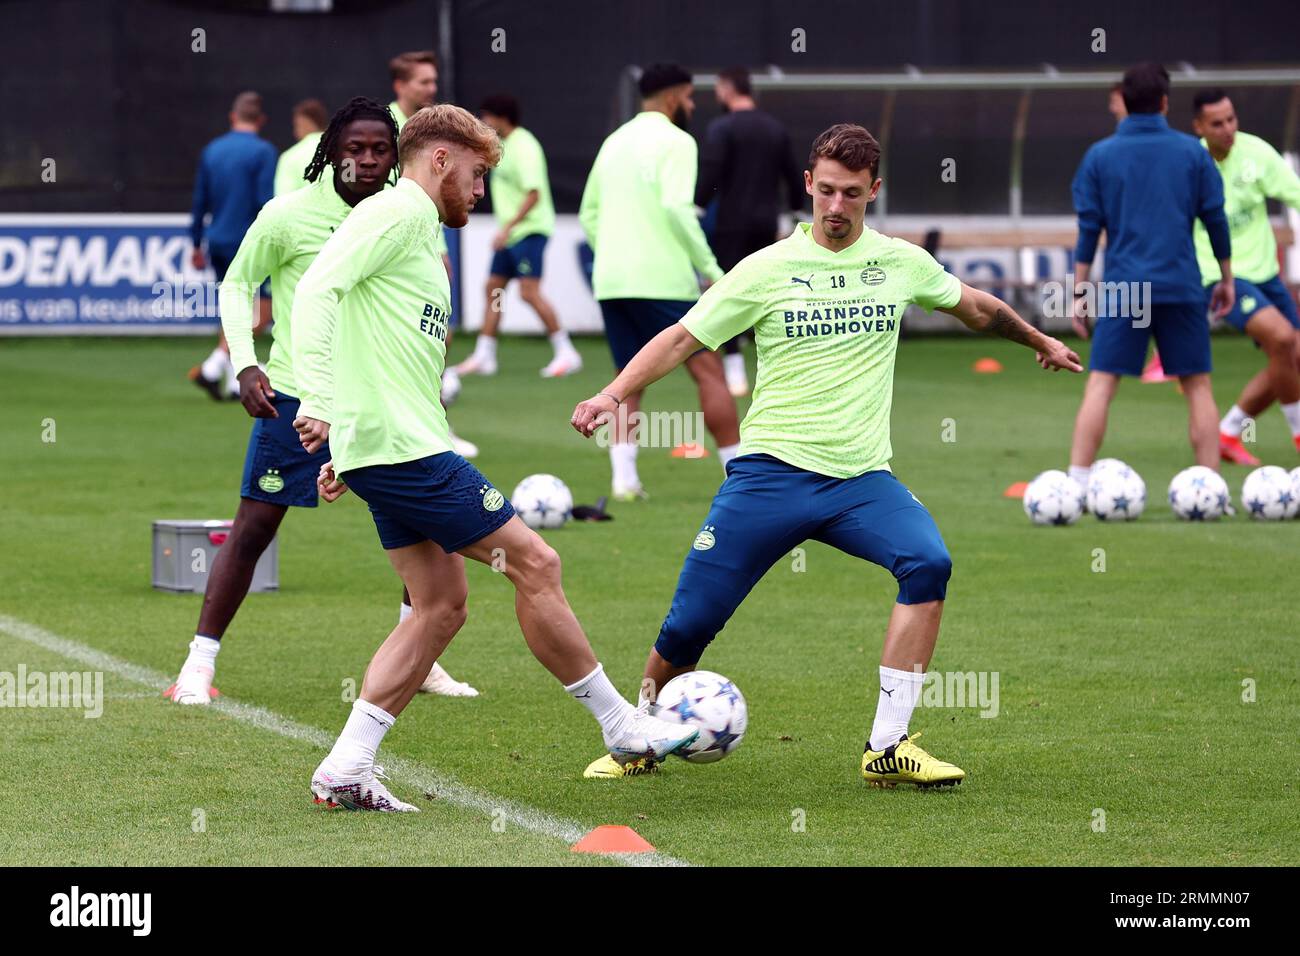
pixel 623 450
pixel 1090 423
pixel 1278 381
pixel 251 533
pixel 483 360
pixel 438 680
pixel 565 359
pixel 716 403
pixel 1202 419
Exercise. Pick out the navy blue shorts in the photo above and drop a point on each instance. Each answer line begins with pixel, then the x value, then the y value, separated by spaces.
pixel 277 469
pixel 764 510
pixel 1182 332
pixel 631 323
pixel 442 498
pixel 1253 296
pixel 520 260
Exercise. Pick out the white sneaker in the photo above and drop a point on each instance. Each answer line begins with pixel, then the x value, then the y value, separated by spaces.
pixel 462 447
pixel 647 736
pixel 566 363
pixel 355 792
pixel 477 364
pixel 733 367
pixel 193 687
pixel 440 682
pixel 629 492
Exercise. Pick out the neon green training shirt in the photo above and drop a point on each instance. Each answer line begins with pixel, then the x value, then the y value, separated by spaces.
pixel 370 332
pixel 638 211
pixel 521 170
pixel 280 244
pixel 288 171
pixel 1252 172
pixel 826 328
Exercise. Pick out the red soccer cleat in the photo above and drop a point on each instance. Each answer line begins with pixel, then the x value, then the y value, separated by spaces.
pixel 1155 371
pixel 1231 449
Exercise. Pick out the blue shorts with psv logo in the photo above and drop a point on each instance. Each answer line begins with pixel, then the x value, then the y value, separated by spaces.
pixel 442 498
pixel 520 260
pixel 277 469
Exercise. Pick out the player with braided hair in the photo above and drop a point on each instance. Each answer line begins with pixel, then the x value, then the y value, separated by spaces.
pixel 360 148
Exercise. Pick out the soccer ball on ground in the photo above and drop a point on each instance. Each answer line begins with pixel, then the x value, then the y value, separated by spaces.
pixel 1268 495
pixel 1053 498
pixel 1198 494
pixel 713 704
pixel 1116 492
pixel 543 501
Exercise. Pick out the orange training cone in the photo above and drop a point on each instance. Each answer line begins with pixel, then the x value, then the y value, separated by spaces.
pixel 612 839
pixel 987 366
pixel 1016 490
pixel 690 450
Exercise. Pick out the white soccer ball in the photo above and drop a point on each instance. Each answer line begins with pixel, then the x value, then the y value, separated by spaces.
pixel 1198 494
pixel 1268 495
pixel 543 501
pixel 714 705
pixel 450 387
pixel 1117 492
pixel 1053 498
pixel 1103 465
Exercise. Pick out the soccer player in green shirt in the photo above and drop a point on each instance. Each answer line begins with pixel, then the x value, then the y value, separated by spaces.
pixel 638 211
pixel 370 325
pixel 355 158
pixel 1253 173
pixel 309 119
pixel 825 305
pixel 521 202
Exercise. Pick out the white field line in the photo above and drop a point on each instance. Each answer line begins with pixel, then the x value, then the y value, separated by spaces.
pixel 408 771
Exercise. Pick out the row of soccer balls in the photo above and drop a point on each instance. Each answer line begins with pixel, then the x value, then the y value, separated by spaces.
pixel 1116 492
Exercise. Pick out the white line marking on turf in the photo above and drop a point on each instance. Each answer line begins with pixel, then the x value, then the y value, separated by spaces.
pixel 415 774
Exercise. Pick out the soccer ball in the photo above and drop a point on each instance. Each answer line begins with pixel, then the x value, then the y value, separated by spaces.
pixel 450 387
pixel 1117 492
pixel 543 501
pixel 713 704
pixel 1053 498
pixel 1198 494
pixel 1268 494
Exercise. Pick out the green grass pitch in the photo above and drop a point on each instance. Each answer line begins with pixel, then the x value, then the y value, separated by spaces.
pixel 1121 692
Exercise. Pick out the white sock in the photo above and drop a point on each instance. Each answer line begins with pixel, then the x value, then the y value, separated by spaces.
pixel 622 458
pixel 727 452
pixel 1292 413
pixel 203 652
pixel 405 612
pixel 214 366
pixel 1234 421
pixel 734 365
pixel 486 346
pixel 1081 474
pixel 560 343
pixel 899 692
pixel 354 751
pixel 607 705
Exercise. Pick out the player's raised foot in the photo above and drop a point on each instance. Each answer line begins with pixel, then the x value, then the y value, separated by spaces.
pixel 463 446
pixel 213 386
pixel 193 687
pixel 566 363
pixel 607 768
pixel 1231 449
pixel 477 364
pixel 645 735
pixel 905 762
pixel 337 791
pixel 629 493
pixel 441 683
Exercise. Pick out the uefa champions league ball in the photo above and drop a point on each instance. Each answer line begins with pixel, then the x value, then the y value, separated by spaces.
pixel 1198 494
pixel 1268 495
pixel 543 501
pixel 1103 465
pixel 713 704
pixel 1053 498
pixel 1117 492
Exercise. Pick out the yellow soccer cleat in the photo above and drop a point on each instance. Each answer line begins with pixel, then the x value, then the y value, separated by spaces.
pixel 607 768
pixel 905 762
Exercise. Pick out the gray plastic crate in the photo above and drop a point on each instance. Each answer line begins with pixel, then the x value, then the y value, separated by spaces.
pixel 183 552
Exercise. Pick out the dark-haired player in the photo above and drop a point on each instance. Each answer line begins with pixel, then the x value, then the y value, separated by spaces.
pixel 1253 172
pixel 521 203
pixel 825 305
pixel 355 158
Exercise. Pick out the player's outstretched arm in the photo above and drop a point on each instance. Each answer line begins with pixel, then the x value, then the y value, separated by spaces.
pixel 982 312
pixel 663 353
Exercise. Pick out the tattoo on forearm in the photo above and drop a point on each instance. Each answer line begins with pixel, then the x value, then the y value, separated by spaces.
pixel 1009 326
